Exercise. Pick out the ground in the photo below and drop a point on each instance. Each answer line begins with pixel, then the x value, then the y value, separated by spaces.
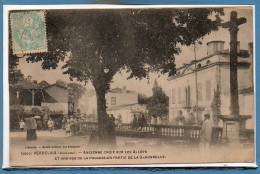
pixel 50 147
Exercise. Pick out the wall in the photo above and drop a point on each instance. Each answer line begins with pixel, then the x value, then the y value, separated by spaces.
pixel 121 98
pixel 204 77
pixel 88 104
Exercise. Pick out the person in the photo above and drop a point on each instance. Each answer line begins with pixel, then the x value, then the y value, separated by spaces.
pixel 119 121
pixel 45 120
pixel 67 127
pixel 22 125
pixel 180 119
pixel 206 130
pixel 77 126
pixel 112 118
pixel 142 122
pixel 34 128
pixel 135 122
pixel 192 119
pixel 72 126
pixel 50 125
pixel 63 123
pixel 39 124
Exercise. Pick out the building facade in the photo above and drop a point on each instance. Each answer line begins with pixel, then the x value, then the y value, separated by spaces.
pixel 120 102
pixel 203 86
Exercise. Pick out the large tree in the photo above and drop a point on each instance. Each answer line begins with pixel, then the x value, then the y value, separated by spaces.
pixel 96 44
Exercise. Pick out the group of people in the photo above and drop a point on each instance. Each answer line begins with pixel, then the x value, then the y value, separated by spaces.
pixel 71 125
pixel 139 122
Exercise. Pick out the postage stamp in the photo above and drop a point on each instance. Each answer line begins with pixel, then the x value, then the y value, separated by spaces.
pixel 28 32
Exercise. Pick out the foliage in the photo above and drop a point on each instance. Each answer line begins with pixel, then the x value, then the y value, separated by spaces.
pixel 142 99
pixel 96 44
pixel 14 74
pixel 76 91
pixel 138 40
pixel 158 104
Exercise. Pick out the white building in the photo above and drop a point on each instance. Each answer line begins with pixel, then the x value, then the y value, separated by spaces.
pixel 120 102
pixel 194 85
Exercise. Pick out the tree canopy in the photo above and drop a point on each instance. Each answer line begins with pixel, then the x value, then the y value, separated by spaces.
pixel 97 43
pixel 138 40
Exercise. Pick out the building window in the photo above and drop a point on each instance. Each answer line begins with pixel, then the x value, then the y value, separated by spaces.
pixel 113 100
pixel 187 94
pixel 179 96
pixel 208 90
pixel 173 96
pixel 200 92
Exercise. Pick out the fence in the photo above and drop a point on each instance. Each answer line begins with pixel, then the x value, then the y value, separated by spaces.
pixel 184 133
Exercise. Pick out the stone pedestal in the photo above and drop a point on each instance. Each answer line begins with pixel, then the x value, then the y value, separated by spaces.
pixel 232 127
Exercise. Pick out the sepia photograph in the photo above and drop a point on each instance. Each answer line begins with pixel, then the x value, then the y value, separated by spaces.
pixel 117 85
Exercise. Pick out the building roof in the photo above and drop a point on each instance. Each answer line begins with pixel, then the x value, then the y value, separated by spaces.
pixel 26 84
pixel 241 54
pixel 120 90
pixel 190 67
pixel 57 85
pixel 44 84
pixel 60 95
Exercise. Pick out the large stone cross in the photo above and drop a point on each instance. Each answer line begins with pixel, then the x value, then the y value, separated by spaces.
pixel 232 25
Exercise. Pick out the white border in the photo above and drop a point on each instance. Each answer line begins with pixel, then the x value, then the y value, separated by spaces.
pixel 6 132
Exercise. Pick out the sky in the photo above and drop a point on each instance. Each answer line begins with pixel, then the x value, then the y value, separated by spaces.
pixel 245 35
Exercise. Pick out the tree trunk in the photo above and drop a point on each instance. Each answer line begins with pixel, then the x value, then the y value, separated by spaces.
pixel 102 115
pixel 105 135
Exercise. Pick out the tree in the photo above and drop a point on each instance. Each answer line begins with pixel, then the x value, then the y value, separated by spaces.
pixel 142 99
pixel 158 105
pixel 100 43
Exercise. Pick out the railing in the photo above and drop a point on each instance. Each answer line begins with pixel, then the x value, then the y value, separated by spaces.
pixel 175 132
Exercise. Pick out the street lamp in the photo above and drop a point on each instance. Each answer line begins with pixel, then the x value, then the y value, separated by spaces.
pixel 106 70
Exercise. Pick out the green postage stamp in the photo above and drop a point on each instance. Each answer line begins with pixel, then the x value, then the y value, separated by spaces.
pixel 28 32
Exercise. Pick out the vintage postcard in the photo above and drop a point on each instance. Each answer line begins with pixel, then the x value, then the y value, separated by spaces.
pixel 114 85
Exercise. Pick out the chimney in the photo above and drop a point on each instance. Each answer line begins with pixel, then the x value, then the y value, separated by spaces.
pixel 214 47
